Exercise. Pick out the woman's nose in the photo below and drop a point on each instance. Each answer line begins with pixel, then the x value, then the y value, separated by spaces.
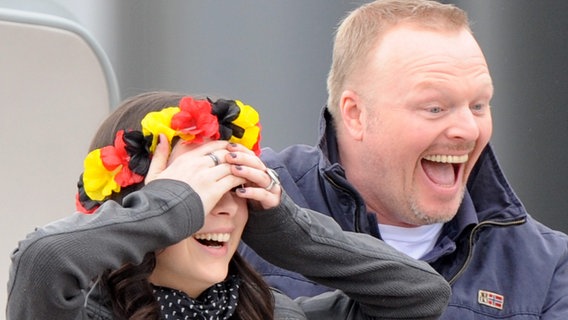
pixel 228 205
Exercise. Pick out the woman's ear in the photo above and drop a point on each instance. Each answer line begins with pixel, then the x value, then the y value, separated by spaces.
pixel 351 114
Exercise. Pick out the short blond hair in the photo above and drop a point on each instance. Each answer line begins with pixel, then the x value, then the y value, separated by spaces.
pixel 360 30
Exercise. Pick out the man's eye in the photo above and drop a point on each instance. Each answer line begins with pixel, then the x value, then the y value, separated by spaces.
pixel 478 107
pixel 435 109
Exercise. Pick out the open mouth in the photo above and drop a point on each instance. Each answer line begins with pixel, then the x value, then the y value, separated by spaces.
pixel 214 240
pixel 443 169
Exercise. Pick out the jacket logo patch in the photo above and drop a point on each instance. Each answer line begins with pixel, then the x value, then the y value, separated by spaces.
pixel 490 299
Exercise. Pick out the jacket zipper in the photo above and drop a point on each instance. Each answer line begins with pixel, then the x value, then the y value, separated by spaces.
pixel 470 242
pixel 356 218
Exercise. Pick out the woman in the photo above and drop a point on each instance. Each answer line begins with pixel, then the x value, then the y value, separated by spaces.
pixel 163 205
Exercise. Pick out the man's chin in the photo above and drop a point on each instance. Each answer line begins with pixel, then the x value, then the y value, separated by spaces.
pixel 425 217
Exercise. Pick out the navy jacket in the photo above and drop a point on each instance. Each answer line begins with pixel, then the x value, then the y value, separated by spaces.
pixel 500 262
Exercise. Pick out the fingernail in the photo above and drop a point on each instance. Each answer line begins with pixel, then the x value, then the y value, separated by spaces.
pixel 241 190
pixel 233 155
pixel 239 167
pixel 232 144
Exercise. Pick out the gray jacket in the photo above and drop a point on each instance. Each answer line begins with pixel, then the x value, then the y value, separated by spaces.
pixel 52 269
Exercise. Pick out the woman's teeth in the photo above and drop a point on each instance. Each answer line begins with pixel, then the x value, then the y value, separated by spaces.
pixel 447 158
pixel 218 237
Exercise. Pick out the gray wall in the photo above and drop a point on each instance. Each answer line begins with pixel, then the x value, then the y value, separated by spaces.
pixel 272 54
pixel 275 55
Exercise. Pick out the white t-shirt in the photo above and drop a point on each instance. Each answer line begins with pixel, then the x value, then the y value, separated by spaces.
pixel 415 242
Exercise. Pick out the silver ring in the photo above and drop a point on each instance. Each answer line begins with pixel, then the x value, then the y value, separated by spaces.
pixel 214 158
pixel 274 180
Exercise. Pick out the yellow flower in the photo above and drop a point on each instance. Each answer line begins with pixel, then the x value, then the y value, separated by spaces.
pixel 98 181
pixel 248 119
pixel 159 122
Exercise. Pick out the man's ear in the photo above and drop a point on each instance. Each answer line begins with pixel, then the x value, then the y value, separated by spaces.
pixel 351 114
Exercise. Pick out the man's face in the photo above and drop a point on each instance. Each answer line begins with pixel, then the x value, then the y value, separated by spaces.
pixel 426 96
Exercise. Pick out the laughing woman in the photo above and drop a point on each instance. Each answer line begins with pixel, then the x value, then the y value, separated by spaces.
pixel 162 205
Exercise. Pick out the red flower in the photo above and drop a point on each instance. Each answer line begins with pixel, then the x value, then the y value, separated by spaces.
pixel 114 156
pixel 195 122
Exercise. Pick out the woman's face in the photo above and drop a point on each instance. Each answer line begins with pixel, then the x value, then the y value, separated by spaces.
pixel 198 262
pixel 202 260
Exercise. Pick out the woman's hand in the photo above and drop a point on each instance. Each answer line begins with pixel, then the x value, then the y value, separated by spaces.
pixel 200 166
pixel 262 187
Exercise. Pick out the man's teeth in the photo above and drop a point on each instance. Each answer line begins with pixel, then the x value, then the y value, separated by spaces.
pixel 447 158
pixel 219 237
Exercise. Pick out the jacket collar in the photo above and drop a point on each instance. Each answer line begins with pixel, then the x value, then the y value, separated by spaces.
pixel 328 137
pixel 491 193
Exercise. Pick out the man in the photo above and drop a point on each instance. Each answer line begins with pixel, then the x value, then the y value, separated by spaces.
pixel 404 156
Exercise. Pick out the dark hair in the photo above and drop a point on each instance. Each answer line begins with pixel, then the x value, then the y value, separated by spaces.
pixel 132 298
pixel 129 114
pixel 128 287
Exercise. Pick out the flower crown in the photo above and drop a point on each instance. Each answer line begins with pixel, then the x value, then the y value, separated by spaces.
pixel 110 168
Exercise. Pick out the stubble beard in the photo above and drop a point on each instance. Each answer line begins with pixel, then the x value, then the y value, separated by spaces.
pixel 421 217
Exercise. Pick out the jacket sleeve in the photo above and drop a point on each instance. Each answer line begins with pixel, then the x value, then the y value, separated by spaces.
pixel 54 266
pixel 379 280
